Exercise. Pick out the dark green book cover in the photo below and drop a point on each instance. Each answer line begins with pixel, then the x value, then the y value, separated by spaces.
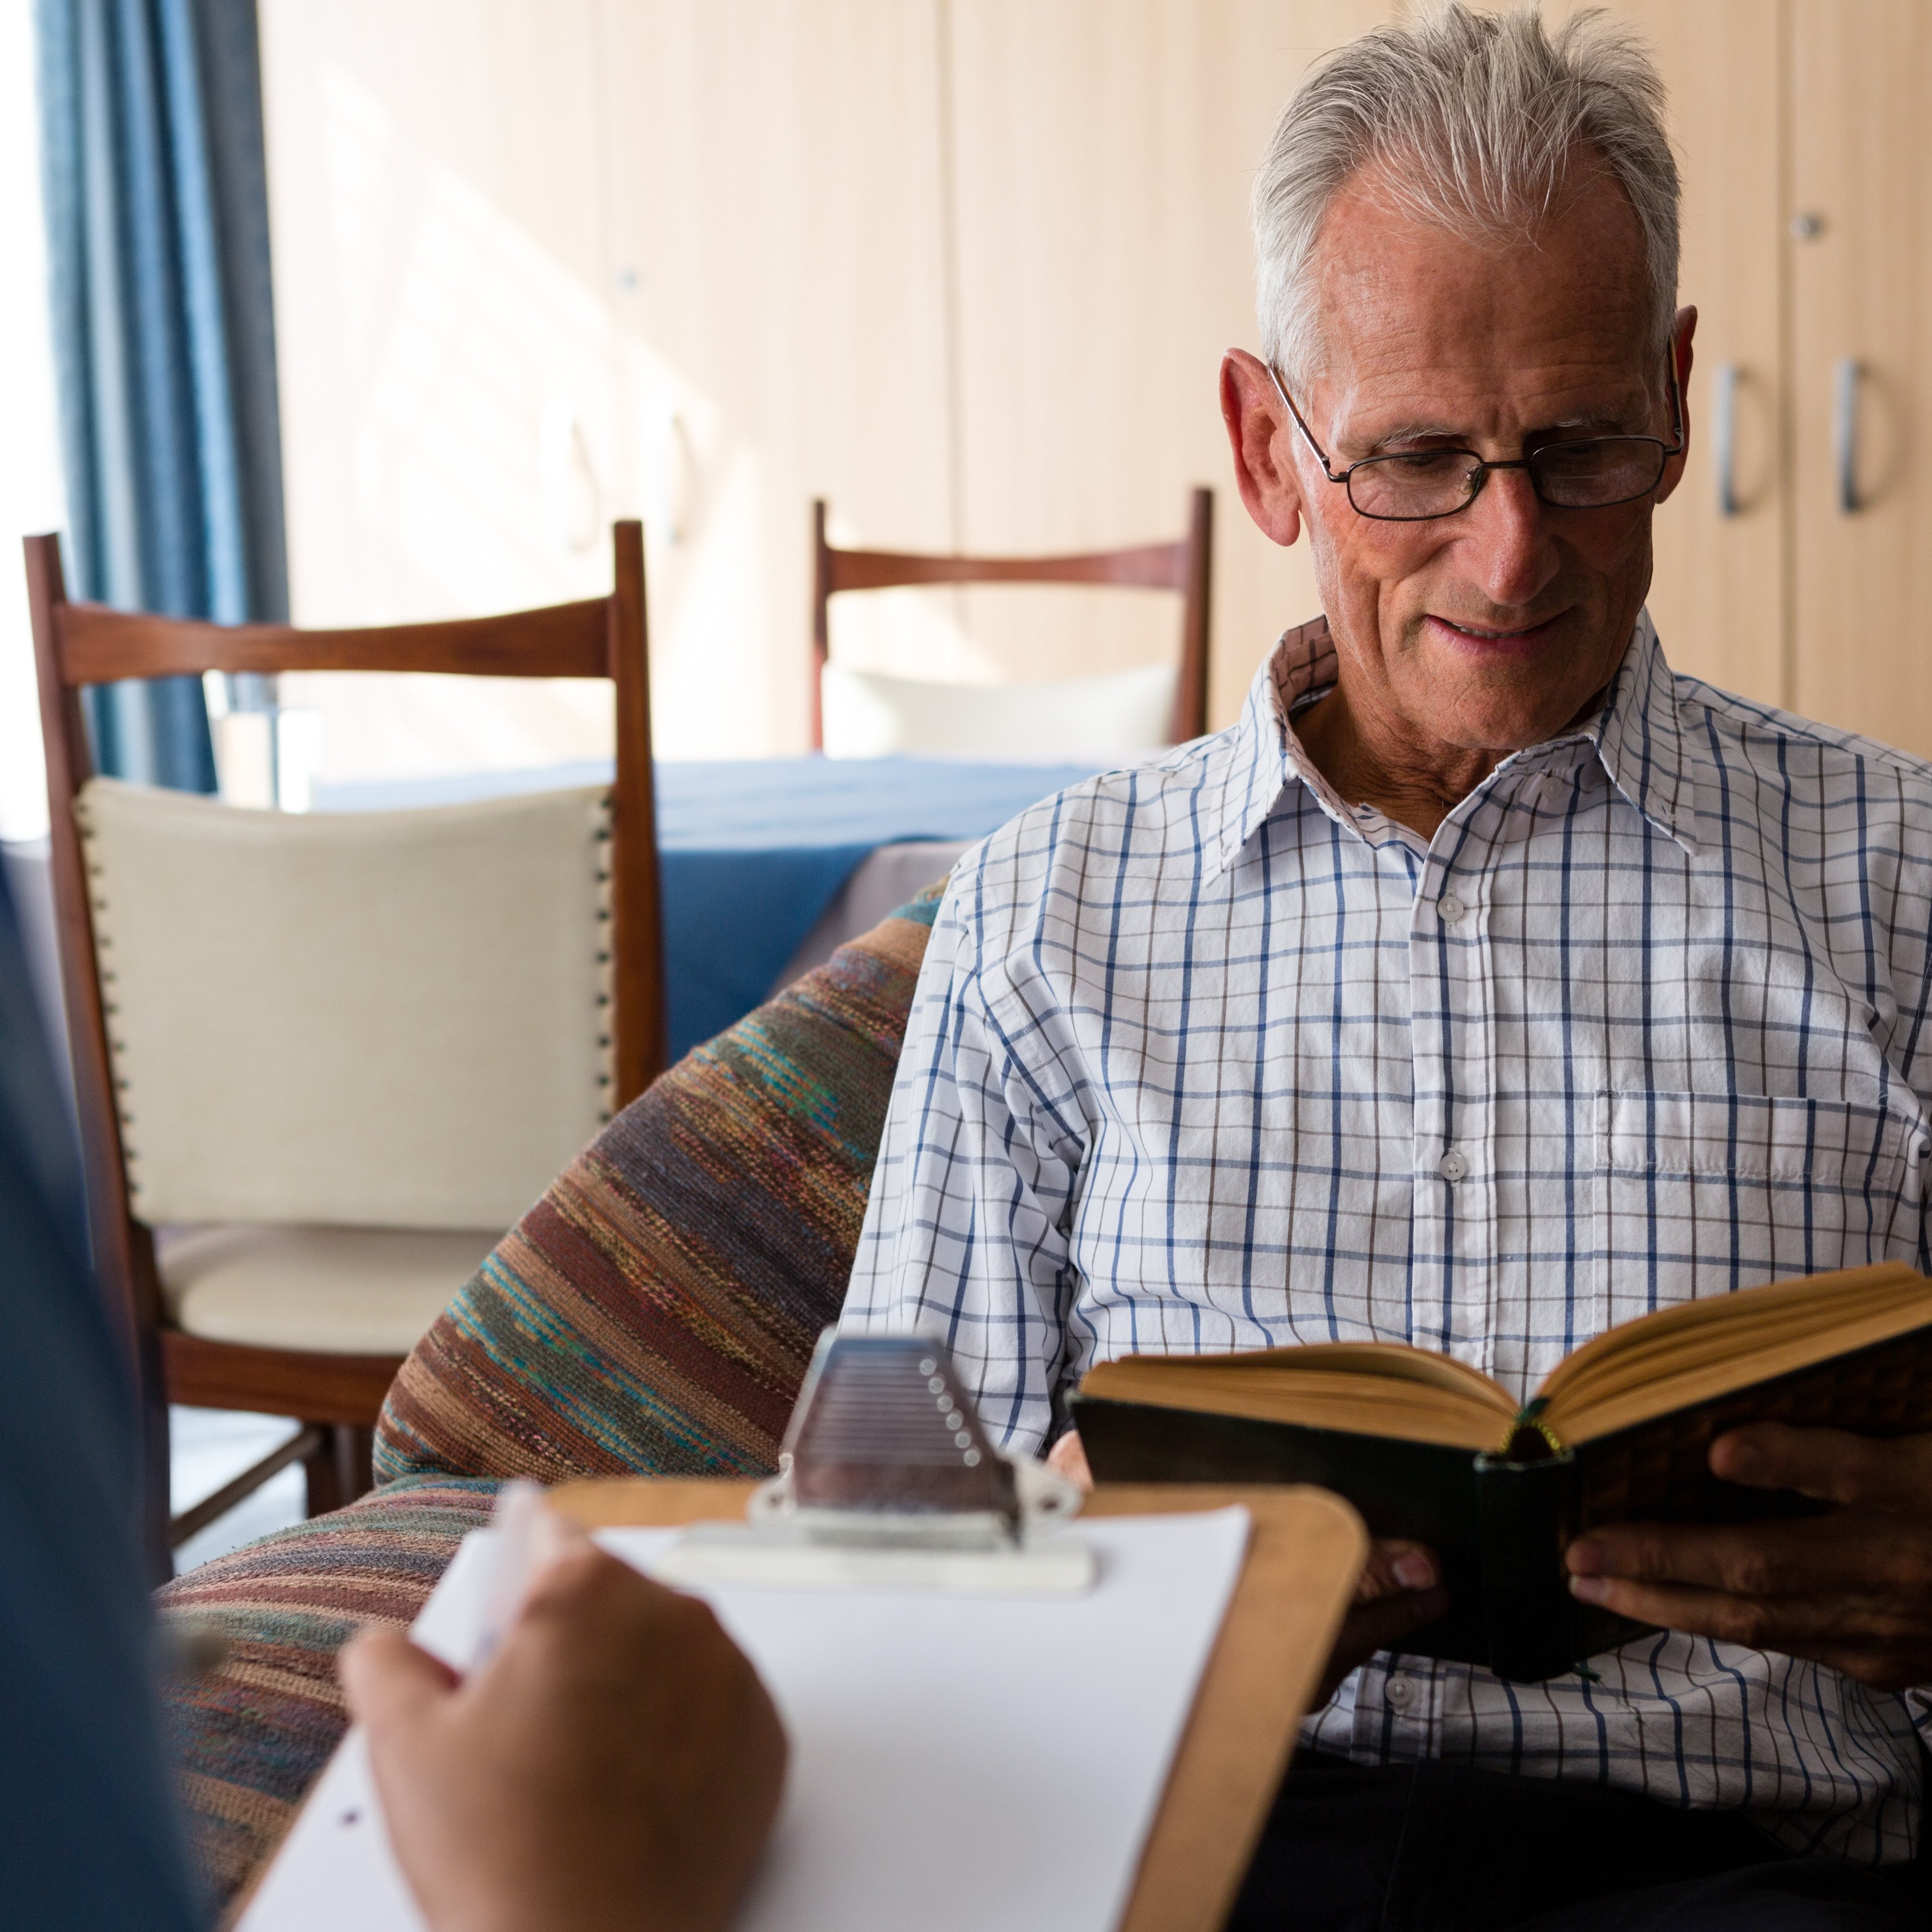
pixel 1500 1525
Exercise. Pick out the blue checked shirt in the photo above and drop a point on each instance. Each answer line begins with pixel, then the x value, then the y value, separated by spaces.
pixel 1204 1057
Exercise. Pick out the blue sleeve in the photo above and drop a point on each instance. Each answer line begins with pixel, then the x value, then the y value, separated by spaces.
pixel 89 1836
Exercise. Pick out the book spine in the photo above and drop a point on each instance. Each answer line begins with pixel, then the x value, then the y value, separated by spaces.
pixel 1523 1512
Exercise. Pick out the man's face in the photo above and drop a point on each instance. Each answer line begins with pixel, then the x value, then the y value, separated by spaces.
pixel 1489 630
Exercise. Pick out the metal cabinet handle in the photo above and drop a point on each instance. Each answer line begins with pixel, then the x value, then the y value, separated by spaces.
pixel 1845 434
pixel 1725 409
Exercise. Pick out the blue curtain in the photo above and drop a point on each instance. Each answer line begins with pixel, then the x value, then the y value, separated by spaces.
pixel 164 331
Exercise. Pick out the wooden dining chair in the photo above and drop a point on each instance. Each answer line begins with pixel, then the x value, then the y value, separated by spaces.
pixel 1184 565
pixel 332 1056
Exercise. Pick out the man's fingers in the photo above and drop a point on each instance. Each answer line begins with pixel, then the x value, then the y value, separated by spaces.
pixel 1069 1458
pixel 1864 1639
pixel 387 1680
pixel 1395 1567
pixel 1713 1613
pixel 1828 1464
pixel 1379 1623
pixel 1382 1625
pixel 1760 1559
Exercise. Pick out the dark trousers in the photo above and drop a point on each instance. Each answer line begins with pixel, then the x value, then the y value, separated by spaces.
pixel 1440 1848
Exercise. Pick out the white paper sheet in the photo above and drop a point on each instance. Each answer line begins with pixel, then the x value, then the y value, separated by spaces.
pixel 957 1763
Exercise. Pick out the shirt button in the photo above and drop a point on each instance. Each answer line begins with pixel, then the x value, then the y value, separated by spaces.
pixel 1917 1151
pixel 1398 1691
pixel 1449 908
pixel 1452 1166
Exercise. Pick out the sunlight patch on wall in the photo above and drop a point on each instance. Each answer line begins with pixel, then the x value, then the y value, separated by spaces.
pixel 504 419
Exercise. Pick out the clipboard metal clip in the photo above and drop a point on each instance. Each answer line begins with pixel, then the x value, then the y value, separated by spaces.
pixel 887 1481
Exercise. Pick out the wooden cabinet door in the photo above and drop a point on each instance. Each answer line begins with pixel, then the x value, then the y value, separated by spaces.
pixel 1860 264
pixel 1719 595
pixel 774 229
pixel 1104 151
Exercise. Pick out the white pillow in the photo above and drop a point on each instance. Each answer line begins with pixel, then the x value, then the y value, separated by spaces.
pixel 1122 714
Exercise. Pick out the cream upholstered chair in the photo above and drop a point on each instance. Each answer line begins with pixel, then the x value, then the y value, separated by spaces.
pixel 352 1049
pixel 324 1061
pixel 1115 714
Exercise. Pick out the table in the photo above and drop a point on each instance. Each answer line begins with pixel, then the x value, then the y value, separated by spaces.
pixel 1306 1550
pixel 755 851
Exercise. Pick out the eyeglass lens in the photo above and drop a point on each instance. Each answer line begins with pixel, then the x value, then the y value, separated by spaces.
pixel 1590 473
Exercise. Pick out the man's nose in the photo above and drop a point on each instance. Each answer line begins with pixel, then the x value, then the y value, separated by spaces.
pixel 1511 549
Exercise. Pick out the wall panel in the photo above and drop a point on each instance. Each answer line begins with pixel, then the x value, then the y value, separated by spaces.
pixel 1861 296
pixel 1106 152
pixel 541 263
pixel 774 170
pixel 434 185
pixel 1719 595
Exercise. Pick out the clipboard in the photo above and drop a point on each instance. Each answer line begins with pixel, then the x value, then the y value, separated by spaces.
pixel 1305 1552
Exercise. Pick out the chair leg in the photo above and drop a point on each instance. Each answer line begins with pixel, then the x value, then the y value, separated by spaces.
pixel 323 1474
pixel 157 1556
pixel 354 1459
pixel 341 1467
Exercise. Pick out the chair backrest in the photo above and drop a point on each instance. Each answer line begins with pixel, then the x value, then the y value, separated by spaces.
pixel 390 1019
pixel 77 645
pixel 1184 566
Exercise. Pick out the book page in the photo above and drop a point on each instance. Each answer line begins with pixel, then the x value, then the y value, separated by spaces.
pixel 957 1762
pixel 1698 1350
pixel 1384 1389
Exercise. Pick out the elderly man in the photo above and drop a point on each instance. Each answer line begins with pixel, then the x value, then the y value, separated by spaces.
pixel 1487 984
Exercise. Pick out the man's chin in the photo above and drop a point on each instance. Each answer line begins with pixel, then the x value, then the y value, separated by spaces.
pixel 1502 721
pixel 1498 699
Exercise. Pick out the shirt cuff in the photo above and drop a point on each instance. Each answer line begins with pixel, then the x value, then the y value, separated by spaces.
pixel 1918 1707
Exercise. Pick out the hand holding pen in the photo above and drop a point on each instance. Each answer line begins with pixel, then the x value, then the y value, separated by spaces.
pixel 611 1759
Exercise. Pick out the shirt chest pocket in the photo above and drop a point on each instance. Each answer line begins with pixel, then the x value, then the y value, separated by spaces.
pixel 1701 1194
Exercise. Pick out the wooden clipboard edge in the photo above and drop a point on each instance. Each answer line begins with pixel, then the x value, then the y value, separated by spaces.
pixel 1305 1550
pixel 650 1502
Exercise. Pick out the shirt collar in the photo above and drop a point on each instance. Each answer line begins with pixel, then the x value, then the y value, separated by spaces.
pixel 1638 737
pixel 1266 756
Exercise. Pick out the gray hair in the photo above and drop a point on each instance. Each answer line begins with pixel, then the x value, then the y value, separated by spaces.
pixel 1478 122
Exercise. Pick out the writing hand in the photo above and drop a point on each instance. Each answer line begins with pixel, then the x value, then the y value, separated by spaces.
pixel 1851 1589
pixel 617 1764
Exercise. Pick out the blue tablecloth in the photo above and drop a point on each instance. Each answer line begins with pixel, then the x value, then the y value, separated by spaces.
pixel 754 849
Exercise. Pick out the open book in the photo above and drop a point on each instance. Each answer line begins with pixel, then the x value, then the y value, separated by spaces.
pixel 1427 1447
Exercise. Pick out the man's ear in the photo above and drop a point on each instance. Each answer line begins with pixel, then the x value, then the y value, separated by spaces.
pixel 1680 353
pixel 1259 433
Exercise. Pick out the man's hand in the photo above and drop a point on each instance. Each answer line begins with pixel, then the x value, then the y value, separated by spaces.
pixel 1400 1589
pixel 1852 1588
pixel 617 1764
pixel 1069 1458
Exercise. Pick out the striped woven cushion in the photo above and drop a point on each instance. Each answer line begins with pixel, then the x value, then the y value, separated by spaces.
pixel 653 1313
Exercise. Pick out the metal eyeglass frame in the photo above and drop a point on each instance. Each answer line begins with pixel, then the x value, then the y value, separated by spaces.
pixel 1481 474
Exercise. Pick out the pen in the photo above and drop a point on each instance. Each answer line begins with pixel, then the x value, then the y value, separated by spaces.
pixel 519 1510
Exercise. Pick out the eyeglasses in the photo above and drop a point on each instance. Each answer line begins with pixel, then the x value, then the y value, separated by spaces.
pixel 1590 472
